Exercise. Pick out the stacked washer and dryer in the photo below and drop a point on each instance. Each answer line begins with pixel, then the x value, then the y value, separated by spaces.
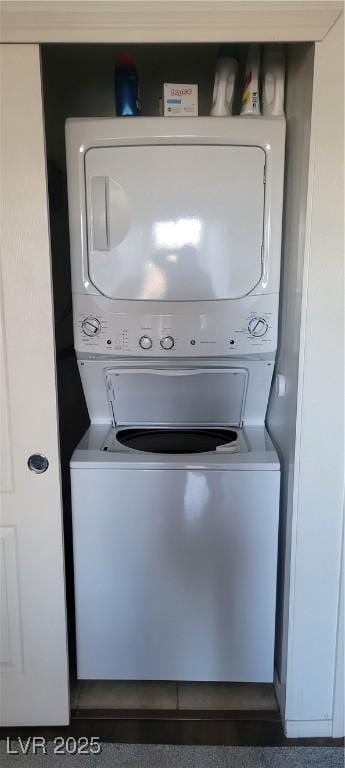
pixel 175 230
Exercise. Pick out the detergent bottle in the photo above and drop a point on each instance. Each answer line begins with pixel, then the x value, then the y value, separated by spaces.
pixel 273 79
pixel 250 96
pixel 127 96
pixel 224 81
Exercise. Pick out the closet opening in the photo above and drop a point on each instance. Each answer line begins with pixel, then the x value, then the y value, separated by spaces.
pixel 78 82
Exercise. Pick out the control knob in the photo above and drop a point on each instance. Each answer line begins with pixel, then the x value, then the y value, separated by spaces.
pixel 91 326
pixel 145 342
pixel 168 342
pixel 257 326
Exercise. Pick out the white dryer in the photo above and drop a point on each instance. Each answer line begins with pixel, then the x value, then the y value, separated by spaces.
pixel 175 252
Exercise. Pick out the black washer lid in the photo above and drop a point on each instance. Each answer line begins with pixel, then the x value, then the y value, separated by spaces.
pixel 177 396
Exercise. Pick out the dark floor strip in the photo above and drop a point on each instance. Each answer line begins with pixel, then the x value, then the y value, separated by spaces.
pixel 192 729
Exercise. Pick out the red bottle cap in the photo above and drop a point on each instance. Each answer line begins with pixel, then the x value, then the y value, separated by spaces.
pixel 125 60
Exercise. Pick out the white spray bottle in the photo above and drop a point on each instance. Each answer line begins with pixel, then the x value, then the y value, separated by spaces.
pixel 250 96
pixel 224 81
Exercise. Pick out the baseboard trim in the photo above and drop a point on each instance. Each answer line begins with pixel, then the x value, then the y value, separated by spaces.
pixel 307 729
pixel 300 729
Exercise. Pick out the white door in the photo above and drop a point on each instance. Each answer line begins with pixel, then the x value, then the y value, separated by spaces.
pixel 175 223
pixel 33 643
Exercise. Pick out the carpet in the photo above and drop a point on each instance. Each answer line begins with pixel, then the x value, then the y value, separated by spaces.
pixel 165 756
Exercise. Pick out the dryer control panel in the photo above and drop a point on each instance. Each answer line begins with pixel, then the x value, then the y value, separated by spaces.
pixel 243 328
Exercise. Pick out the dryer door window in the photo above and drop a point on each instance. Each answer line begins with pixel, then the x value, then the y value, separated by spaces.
pixel 175 223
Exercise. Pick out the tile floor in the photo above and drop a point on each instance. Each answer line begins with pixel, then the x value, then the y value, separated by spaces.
pixel 171 695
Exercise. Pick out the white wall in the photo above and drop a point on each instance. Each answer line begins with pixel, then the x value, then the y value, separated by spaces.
pixel 281 418
pixel 314 457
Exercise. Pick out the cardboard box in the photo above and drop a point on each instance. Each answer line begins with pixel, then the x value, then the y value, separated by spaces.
pixel 180 100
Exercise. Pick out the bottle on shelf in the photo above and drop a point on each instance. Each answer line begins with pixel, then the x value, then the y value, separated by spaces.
pixel 250 95
pixel 273 80
pixel 224 81
pixel 127 96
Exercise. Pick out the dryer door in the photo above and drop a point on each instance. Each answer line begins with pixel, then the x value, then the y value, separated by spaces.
pixel 175 223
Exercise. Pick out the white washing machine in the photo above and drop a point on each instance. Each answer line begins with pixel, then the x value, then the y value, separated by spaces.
pixel 175 251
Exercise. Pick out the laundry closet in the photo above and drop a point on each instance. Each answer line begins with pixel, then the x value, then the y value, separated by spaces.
pixel 174 254
pixel 179 269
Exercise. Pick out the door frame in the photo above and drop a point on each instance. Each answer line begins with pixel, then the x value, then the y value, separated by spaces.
pixel 171 21
pixel 205 21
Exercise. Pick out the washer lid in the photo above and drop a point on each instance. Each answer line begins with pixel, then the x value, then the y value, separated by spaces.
pixel 175 223
pixel 178 396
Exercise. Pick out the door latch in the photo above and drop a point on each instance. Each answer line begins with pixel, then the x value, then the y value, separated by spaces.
pixel 38 463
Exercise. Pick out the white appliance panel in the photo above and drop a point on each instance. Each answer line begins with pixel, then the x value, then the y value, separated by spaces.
pixel 176 396
pixel 175 573
pixel 240 327
pixel 175 223
pixel 255 452
pixel 92 373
